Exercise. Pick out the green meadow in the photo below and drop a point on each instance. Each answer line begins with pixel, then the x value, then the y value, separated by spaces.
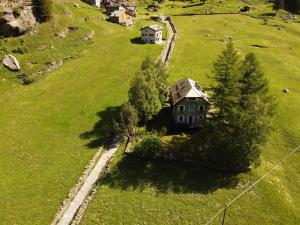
pixel 50 129
pixel 154 192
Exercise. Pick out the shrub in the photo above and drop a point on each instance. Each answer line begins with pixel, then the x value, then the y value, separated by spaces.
pixel 17 12
pixel 43 10
pixel 149 146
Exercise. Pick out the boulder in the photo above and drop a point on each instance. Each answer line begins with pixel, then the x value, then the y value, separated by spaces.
pixel 11 25
pixel 11 62
pixel 285 90
pixel 90 36
pixel 63 33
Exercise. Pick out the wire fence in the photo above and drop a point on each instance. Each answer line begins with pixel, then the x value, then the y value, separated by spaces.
pixel 228 204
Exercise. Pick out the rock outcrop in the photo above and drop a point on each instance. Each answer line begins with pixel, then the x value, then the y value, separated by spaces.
pixel 11 62
pixel 17 18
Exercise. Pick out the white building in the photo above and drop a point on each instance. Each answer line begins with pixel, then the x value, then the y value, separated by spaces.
pixel 152 34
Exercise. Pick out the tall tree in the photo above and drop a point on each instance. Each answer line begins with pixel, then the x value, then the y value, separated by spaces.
pixel 144 96
pixel 242 119
pixel 225 95
pixel 158 73
pixel 257 106
pixel 252 80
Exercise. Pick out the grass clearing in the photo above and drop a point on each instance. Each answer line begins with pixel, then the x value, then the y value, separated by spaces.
pixel 154 192
pixel 49 129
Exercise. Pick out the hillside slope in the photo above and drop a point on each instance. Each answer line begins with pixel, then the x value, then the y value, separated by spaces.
pixel 49 130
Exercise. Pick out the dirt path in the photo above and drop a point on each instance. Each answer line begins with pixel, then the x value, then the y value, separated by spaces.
pixel 72 208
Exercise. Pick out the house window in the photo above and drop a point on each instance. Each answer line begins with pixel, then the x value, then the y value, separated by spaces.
pixel 180 119
pixel 181 108
pixel 192 99
pixel 201 108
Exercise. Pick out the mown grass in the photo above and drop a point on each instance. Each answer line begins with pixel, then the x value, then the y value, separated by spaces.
pixel 49 130
pixel 155 192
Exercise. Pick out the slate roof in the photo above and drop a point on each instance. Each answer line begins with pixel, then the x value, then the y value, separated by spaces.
pixel 153 27
pixel 186 88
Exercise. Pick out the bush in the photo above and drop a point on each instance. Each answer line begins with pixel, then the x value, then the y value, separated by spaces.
pixel 43 10
pixel 17 12
pixel 149 146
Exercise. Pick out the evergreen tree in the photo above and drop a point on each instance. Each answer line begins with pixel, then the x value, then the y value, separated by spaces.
pixel 225 95
pixel 257 107
pixel 242 119
pixel 252 80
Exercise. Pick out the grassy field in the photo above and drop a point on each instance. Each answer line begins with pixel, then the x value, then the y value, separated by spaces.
pixel 49 130
pixel 154 192
pixel 259 7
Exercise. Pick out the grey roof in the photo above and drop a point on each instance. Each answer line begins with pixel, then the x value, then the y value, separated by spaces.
pixel 153 27
pixel 187 88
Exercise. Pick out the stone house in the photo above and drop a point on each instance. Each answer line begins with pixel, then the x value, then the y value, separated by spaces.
pixel 121 17
pixel 190 103
pixel 96 3
pixel 151 34
pixel 111 7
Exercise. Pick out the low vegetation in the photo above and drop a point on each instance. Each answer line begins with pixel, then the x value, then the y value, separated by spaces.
pixel 43 9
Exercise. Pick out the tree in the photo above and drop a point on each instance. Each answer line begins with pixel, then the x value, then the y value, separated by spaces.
pixel 127 121
pixel 225 95
pixel 252 79
pixel 257 107
pixel 144 96
pixel 43 9
pixel 242 121
pixel 278 4
pixel 159 74
pixel 148 90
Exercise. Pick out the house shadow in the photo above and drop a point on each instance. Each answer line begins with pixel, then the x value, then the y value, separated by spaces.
pixel 102 132
pixel 133 173
pixel 137 41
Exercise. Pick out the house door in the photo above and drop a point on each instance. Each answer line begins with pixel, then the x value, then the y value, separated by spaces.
pixel 190 119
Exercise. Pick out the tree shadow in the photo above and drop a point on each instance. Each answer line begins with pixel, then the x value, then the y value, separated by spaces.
pixel 179 177
pixel 137 41
pixel 102 132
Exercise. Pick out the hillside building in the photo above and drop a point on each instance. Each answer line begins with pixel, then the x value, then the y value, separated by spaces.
pixel 151 34
pixel 190 103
